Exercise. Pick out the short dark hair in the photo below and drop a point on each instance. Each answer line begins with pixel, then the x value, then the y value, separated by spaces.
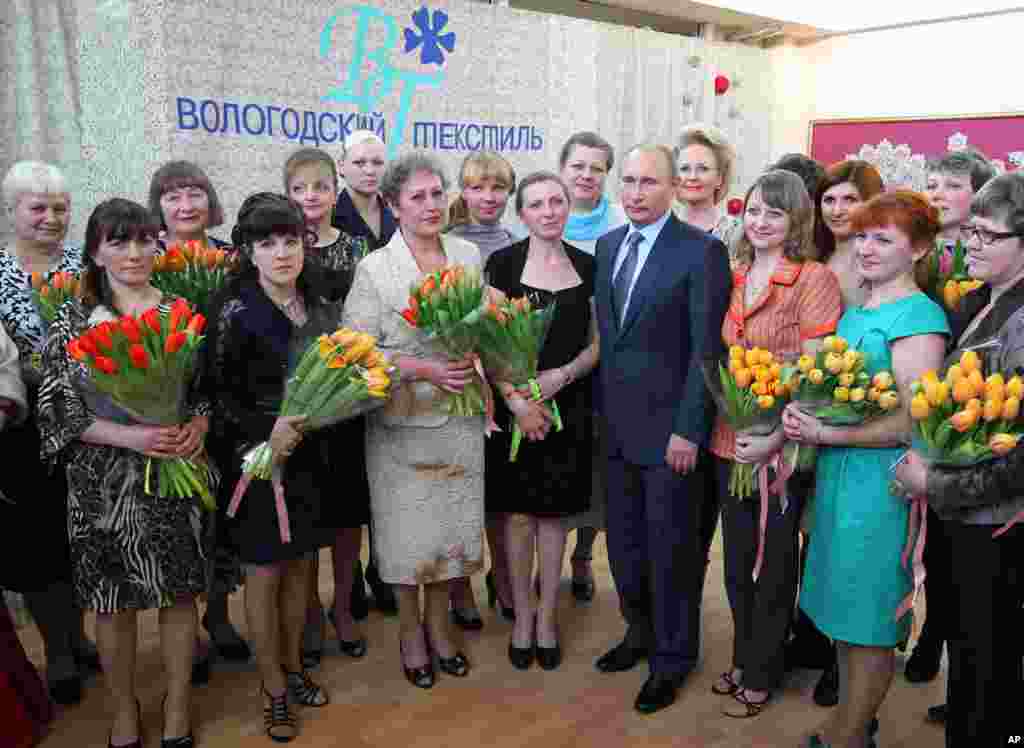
pixel 586 139
pixel 177 174
pixel 1002 199
pixel 804 167
pixel 969 161
pixel 266 213
pixel 536 178
pixel 115 218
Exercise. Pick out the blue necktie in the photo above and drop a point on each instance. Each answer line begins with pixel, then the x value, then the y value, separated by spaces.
pixel 624 278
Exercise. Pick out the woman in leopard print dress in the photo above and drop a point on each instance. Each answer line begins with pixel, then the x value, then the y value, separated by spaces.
pixel 130 550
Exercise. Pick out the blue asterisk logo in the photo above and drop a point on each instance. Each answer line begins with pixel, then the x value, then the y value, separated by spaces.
pixel 430 36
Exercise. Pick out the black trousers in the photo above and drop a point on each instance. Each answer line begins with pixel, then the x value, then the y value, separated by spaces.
pixel 761 610
pixel 985 682
pixel 654 551
pixel 938 586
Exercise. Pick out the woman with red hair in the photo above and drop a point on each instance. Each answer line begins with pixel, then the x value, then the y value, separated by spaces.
pixel 853 579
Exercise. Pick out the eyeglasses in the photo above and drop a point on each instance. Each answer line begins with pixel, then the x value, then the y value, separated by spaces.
pixel 987 238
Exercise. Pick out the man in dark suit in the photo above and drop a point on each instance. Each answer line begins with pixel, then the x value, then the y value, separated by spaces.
pixel 662 291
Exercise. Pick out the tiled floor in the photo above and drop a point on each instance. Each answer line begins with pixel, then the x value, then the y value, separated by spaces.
pixel 497 706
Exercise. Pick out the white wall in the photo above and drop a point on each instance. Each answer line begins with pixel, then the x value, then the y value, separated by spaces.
pixel 952 68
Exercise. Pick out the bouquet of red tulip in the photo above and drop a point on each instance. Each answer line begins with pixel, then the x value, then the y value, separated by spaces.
pixel 145 365
pixel 339 376
pixel 512 335
pixel 447 305
pixel 193 272
pixel 49 294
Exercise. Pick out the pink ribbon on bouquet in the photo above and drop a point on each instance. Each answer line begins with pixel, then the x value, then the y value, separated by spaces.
pixel 1018 517
pixel 283 523
pixel 490 426
pixel 777 487
pixel 914 551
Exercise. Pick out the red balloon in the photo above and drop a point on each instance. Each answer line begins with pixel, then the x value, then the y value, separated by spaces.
pixel 734 206
pixel 721 84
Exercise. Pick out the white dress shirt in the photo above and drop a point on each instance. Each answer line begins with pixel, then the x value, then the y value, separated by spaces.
pixel 650 233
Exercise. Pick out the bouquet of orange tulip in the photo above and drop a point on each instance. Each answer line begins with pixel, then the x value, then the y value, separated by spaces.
pixel 447 305
pixel 146 365
pixel 339 376
pixel 835 388
pixel 512 335
pixel 750 395
pixel 192 271
pixel 49 294
pixel 966 417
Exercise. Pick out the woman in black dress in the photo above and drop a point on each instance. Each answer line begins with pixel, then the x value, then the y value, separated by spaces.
pixel 311 180
pixel 551 478
pixel 262 322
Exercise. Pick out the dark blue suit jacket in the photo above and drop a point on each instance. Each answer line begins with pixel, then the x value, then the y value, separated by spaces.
pixel 650 365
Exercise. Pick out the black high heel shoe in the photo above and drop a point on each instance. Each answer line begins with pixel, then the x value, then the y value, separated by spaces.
pixel 355 648
pixel 185 741
pixel 421 677
pixel 509 614
pixel 234 650
pixel 549 658
pixel 520 657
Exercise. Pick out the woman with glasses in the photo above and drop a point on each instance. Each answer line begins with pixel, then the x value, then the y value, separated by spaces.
pixel 953 180
pixel 985 675
pixel 705 160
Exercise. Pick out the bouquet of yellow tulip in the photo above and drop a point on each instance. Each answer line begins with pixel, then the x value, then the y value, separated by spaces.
pixel 834 387
pixel 750 395
pixel 512 335
pixel 340 376
pixel 192 271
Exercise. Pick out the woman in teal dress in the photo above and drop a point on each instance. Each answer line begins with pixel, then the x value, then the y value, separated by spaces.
pixel 853 579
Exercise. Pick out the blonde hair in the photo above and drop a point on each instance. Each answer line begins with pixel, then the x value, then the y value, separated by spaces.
pixel 358 137
pixel 475 168
pixel 713 138
pixel 785 191
pixel 32 176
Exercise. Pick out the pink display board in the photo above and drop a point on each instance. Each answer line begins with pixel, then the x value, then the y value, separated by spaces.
pixel 998 136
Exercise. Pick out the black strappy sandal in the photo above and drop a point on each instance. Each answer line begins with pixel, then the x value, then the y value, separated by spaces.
pixel 750 708
pixel 278 720
pixel 304 690
pixel 730 689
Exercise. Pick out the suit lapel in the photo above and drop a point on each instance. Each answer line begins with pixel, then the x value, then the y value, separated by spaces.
pixel 606 265
pixel 657 262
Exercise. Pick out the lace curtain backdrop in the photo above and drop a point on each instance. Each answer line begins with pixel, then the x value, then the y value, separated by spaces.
pixel 96 84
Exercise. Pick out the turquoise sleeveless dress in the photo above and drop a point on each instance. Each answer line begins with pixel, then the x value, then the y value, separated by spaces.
pixel 853 580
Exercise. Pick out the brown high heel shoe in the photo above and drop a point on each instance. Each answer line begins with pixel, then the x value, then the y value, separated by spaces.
pixel 422 676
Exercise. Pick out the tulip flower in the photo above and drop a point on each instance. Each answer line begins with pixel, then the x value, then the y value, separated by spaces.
pixel 1015 387
pixel 736 351
pixel 963 390
pixel 37 280
pixel 410 316
pixel 101 335
pixel 805 363
pixel 816 376
pixel 106 365
pixel 829 344
pixel 936 392
pixel 1001 444
pixel 76 351
pixel 970 362
pixel 1011 408
pixel 992 410
pixel 888 400
pixel 841 394
pixel 951 295
pixel 743 378
pixel 857 395
pixel 766 402
pixel 845 379
pixel 919 408
pixel 753 357
pixel 139 356
pixel 196 325
pixel 130 328
pixel 174 342
pixel 151 317
pixel 882 380
pixel 834 363
pixel 964 420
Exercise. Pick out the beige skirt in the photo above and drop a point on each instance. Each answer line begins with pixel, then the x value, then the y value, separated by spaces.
pixel 427 499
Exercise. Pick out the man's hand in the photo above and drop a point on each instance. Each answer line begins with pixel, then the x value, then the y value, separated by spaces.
pixel 681 455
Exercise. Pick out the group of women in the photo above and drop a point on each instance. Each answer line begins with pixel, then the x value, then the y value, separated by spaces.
pixel 815 252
